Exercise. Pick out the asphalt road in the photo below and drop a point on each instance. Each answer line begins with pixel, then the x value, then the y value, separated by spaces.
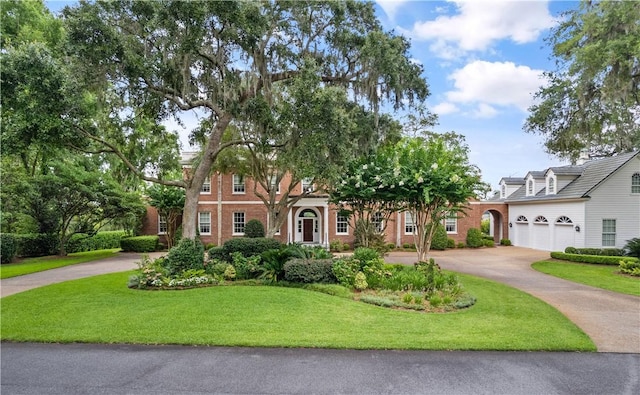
pixel 124 369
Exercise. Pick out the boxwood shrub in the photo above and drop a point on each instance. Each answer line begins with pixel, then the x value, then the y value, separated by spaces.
pixel 247 247
pixel 597 259
pixel 439 240
pixel 474 238
pixel 309 271
pixel 187 255
pixel 595 251
pixel 139 244
pixel 100 241
pixel 7 247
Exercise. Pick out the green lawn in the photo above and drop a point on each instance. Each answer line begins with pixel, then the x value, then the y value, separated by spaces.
pixel 600 276
pixel 39 264
pixel 103 310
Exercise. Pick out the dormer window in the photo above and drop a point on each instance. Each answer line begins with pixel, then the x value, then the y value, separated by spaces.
pixel 551 186
pixel 635 183
pixel 503 191
pixel 530 188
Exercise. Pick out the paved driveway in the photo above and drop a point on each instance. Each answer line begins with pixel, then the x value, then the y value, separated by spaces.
pixel 612 320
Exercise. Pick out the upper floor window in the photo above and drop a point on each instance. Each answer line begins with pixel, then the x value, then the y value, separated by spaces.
pixel 307 185
pixel 274 184
pixel 238 183
pixel 409 225
pixel 530 188
pixel 635 183
pixel 206 186
pixel 451 224
pixel 552 186
pixel 342 224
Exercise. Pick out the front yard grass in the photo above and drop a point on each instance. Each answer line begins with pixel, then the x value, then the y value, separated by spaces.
pixel 39 264
pixel 599 276
pixel 103 310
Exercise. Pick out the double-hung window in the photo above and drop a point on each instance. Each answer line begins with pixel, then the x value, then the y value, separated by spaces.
pixel 409 225
pixel 342 225
pixel 204 222
pixel 608 232
pixel 206 186
pixel 162 225
pixel 238 223
pixel 238 184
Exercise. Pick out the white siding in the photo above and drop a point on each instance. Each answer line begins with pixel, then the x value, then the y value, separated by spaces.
pixel 547 237
pixel 613 200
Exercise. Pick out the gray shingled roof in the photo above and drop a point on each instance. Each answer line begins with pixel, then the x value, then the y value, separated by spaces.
pixel 513 180
pixel 590 175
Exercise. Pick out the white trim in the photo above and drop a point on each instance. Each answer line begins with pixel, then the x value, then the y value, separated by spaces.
pixel 206 182
pixel 200 223
pixel 233 185
pixel 165 224
pixel 347 223
pixel 233 222
pixel 413 224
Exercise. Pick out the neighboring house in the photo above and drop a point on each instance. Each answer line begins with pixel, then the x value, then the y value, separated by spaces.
pixel 594 204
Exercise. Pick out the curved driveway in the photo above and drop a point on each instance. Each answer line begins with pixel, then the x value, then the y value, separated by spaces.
pixel 612 320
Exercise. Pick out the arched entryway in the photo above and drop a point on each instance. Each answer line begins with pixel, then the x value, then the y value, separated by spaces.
pixel 496 225
pixel 308 225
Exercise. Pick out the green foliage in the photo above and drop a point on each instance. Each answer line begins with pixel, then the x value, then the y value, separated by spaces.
pixel 8 247
pixel 474 238
pixel 360 282
pixel 139 243
pixel 153 274
pixel 365 260
pixel 505 242
pixel 330 289
pixel 300 251
pixel 309 271
pixel 485 225
pixel 631 268
pixel 169 202
pixel 100 241
pixel 632 248
pixel 246 246
pixel 595 251
pixel 254 229
pixel 218 253
pixel 32 245
pixel 246 267
pixel 589 102
pixel 439 240
pixel 488 243
pixel 273 263
pixel 186 255
pixel 451 243
pixel 597 259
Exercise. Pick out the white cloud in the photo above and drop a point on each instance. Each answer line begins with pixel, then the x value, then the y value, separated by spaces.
pixel 479 24
pixel 495 83
pixel 390 7
pixel 484 111
pixel 445 108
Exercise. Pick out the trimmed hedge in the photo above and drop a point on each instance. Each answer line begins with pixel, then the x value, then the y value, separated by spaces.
pixel 474 238
pixel 140 244
pixel 248 247
pixel 595 251
pixel 596 259
pixel 80 242
pixel 309 271
pixel 7 247
pixel 36 244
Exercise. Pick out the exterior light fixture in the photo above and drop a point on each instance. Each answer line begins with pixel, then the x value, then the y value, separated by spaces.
pixel 577 228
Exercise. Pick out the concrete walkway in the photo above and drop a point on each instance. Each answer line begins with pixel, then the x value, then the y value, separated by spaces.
pixel 120 263
pixel 612 320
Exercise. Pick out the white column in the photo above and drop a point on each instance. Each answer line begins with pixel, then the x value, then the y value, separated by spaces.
pixel 290 228
pixel 399 217
pixel 326 225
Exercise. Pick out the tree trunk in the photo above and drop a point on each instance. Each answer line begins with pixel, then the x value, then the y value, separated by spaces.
pixel 200 173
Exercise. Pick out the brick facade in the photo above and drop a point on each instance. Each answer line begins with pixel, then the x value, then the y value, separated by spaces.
pixel 310 217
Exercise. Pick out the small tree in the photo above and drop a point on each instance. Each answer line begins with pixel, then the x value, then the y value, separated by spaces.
pixel 169 202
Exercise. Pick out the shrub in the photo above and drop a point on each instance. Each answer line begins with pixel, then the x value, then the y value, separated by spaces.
pixel 139 244
pixel 309 271
pixel 300 251
pixel 488 243
pixel 100 241
pixel 36 244
pixel 345 269
pixel 273 264
pixel 451 243
pixel 632 248
pixel 217 253
pixel 248 246
pixel 360 282
pixel 246 268
pixel 7 247
pixel 595 251
pixel 253 229
pixel 505 242
pixel 187 255
pixel 336 245
pixel 151 273
pixel 461 245
pixel 439 240
pixel 474 238
pixel 631 268
pixel 409 246
pixel 391 246
pixel 596 259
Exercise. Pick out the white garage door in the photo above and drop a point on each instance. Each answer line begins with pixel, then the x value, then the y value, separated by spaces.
pixel 522 235
pixel 541 237
pixel 563 237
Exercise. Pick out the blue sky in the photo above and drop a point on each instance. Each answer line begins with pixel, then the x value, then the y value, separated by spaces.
pixel 483 61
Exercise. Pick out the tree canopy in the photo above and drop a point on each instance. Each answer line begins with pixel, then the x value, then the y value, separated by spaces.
pixel 592 100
